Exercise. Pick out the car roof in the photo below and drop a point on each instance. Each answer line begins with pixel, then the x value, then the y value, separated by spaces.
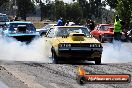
pixel 2 14
pixel 70 26
pixel 104 24
pixel 111 27
pixel 19 22
pixel 52 24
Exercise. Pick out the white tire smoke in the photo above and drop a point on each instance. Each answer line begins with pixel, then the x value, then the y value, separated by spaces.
pixel 12 50
pixel 39 51
pixel 117 52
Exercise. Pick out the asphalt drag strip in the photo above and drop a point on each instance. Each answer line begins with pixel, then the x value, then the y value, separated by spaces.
pixel 35 75
pixel 2 85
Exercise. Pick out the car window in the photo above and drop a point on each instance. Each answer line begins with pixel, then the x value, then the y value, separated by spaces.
pixel 14 26
pixel 67 30
pixel 50 33
pixel 47 26
pixel 104 27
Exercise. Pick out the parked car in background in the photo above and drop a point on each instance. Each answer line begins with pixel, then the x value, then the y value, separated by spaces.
pixel 20 30
pixel 103 32
pixel 42 31
pixel 3 19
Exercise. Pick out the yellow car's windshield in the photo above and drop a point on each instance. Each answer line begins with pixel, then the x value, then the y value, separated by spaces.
pixel 61 31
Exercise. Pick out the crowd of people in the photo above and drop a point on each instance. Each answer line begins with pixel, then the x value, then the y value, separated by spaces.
pixel 15 18
pixel 89 23
pixel 118 26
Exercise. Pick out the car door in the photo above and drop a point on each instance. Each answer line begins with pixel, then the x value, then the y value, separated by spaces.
pixel 50 36
pixel 50 33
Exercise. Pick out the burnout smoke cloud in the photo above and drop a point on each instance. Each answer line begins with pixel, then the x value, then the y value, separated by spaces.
pixel 117 52
pixel 39 51
pixel 12 50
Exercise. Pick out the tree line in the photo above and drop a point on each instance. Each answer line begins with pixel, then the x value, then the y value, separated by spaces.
pixel 78 10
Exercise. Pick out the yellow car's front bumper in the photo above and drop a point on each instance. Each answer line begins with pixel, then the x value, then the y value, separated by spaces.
pixel 79 52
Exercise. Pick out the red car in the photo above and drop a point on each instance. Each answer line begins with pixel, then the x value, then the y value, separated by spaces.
pixel 103 32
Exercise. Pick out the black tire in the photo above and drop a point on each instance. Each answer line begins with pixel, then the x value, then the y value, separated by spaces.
pixel 130 40
pixel 54 58
pixel 98 60
pixel 81 80
pixel 110 40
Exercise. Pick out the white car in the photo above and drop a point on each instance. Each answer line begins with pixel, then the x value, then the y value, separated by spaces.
pixel 42 31
pixel 3 19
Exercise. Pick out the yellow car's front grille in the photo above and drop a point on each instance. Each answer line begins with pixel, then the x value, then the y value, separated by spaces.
pixel 86 45
pixel 80 45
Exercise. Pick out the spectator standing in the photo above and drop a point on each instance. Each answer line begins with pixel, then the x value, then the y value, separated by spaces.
pixel 60 22
pixel 90 24
pixel 117 28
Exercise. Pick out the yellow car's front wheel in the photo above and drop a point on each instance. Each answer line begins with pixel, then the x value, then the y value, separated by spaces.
pixel 54 57
pixel 98 60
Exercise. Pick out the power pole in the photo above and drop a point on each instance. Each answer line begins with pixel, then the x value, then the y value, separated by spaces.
pixel 40 4
pixel 15 7
pixel 41 9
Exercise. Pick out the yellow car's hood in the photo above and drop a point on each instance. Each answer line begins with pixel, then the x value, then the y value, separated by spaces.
pixel 71 40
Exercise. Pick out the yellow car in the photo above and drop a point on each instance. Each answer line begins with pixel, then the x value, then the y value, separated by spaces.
pixel 73 43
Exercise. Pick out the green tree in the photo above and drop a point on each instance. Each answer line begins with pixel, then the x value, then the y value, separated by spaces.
pixel 59 9
pixel 4 6
pixel 25 7
pixel 3 1
pixel 112 3
pixel 76 11
pixel 91 9
pixel 124 9
pixel 68 9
